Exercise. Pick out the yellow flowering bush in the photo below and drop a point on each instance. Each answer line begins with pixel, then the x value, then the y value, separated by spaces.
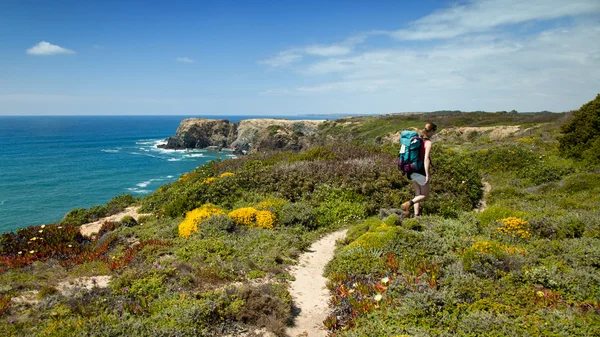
pixel 494 248
pixel 271 204
pixel 253 218
pixel 244 216
pixel 193 218
pixel 265 219
pixel 209 180
pixel 227 174
pixel 184 177
pixel 484 252
pixel 514 227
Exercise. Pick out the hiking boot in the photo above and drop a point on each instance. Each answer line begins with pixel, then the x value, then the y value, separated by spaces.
pixel 406 209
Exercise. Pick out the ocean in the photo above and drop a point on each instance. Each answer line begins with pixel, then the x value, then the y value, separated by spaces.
pixel 52 164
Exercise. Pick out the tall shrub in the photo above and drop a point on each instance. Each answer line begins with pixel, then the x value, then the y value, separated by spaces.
pixel 581 132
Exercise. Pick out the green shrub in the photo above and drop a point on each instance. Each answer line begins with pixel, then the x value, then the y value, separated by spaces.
pixel 357 260
pixel 412 224
pixel 581 131
pixel 493 213
pixel 128 221
pixel 80 216
pixel 217 225
pixel 505 158
pixel 299 213
pixel 490 259
pixel 254 274
pixel 142 219
pixel 46 291
pixel 542 172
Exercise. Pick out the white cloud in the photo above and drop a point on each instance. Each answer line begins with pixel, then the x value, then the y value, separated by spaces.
pixel 327 50
pixel 283 59
pixel 184 60
pixel 46 48
pixel 294 55
pixel 556 69
pixel 482 16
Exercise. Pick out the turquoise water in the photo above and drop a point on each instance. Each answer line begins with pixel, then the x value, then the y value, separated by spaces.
pixel 50 165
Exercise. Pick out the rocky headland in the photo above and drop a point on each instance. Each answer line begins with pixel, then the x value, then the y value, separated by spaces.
pixel 250 135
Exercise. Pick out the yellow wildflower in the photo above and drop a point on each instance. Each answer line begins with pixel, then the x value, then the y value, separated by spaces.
pixel 251 217
pixel 514 227
pixel 226 174
pixel 209 180
pixel 195 217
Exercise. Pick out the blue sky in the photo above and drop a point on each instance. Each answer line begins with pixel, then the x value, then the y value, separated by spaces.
pixel 296 57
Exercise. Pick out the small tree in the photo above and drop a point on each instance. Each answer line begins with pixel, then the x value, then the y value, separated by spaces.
pixel 581 134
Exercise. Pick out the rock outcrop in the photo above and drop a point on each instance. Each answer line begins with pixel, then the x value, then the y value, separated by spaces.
pixel 250 135
pixel 201 133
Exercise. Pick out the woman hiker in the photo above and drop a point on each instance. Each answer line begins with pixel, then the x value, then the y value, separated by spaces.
pixel 420 179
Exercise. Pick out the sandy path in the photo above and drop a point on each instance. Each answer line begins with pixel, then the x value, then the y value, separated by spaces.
pixel 309 290
pixel 487 188
pixel 93 227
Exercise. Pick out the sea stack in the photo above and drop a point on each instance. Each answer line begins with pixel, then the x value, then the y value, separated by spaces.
pixel 250 135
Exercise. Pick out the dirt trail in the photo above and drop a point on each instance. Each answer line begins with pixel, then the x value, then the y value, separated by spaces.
pixel 309 290
pixel 93 227
pixel 486 190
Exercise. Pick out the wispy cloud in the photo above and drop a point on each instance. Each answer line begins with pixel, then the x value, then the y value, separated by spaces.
pixel 294 55
pixel 472 59
pixel 46 48
pixel 283 59
pixel 184 60
pixel 485 15
pixel 327 50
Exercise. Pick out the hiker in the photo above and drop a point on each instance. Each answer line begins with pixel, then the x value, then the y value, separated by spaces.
pixel 422 176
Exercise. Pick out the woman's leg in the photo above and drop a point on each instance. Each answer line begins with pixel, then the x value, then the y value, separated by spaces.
pixel 417 189
pixel 421 193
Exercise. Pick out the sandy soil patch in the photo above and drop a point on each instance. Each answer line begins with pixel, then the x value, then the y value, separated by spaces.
pixel 70 287
pixel 93 227
pixel 309 289
pixel 491 132
pixel 463 133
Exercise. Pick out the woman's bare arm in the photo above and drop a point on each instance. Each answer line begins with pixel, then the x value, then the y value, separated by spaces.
pixel 427 160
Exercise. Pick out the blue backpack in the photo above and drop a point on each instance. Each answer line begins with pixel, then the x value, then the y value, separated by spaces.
pixel 412 152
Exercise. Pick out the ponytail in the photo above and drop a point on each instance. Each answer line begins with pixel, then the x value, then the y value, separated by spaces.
pixel 428 131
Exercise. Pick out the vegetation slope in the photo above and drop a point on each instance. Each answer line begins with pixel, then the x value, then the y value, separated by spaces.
pixel 212 259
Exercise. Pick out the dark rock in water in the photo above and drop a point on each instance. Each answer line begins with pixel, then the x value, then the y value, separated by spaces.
pixel 251 135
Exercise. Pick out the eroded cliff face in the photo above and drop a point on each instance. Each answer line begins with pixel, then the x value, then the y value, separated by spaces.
pixel 250 135
pixel 200 133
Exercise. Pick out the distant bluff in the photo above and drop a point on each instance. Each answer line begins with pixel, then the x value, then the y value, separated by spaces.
pixel 250 135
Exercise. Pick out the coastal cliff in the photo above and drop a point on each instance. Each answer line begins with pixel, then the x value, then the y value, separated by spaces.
pixel 250 135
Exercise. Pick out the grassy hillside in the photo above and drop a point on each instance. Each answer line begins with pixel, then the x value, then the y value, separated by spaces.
pixel 212 258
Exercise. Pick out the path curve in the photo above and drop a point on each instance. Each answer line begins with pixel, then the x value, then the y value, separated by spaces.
pixel 309 290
